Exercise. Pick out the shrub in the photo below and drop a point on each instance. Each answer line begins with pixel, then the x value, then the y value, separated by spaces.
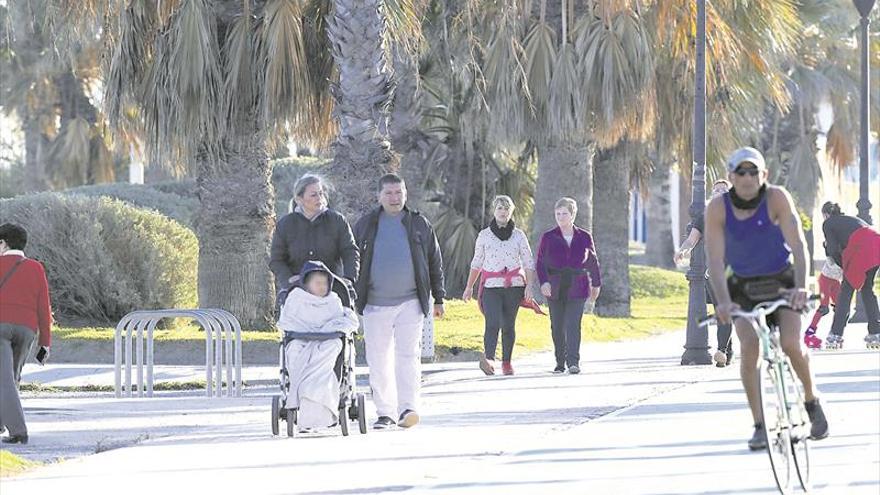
pixel 104 258
pixel 186 188
pixel 648 281
pixel 172 205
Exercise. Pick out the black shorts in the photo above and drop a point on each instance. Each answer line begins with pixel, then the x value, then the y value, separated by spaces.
pixel 747 292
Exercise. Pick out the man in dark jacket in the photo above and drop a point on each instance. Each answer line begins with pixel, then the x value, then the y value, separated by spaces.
pixel 401 269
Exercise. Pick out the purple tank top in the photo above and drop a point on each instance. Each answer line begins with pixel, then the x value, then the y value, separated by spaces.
pixel 754 246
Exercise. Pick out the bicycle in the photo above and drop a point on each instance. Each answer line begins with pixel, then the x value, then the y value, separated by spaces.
pixel 785 419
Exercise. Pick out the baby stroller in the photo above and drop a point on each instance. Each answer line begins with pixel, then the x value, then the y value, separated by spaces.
pixel 351 403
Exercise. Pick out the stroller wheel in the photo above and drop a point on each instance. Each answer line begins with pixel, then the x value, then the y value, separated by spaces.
pixel 276 414
pixel 361 414
pixel 343 419
pixel 291 422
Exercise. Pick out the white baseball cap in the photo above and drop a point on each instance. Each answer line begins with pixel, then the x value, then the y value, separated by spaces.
pixel 746 154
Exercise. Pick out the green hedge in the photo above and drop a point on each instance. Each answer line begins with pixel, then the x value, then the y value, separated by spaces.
pixel 104 258
pixel 175 206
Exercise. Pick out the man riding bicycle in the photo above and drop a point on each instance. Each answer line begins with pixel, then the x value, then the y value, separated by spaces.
pixel 755 228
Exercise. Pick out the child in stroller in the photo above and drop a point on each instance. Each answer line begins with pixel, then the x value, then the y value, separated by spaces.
pixel 317 354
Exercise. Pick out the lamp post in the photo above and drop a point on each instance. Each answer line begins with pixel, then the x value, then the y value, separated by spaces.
pixel 697 341
pixel 864 204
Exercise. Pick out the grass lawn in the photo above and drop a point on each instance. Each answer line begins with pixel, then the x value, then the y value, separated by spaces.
pixel 462 328
pixel 11 464
pixel 659 304
pixel 179 332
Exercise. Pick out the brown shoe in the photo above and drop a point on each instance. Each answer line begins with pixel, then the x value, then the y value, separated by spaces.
pixel 506 368
pixel 487 365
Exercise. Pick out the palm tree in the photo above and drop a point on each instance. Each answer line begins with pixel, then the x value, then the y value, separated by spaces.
pixel 65 141
pixel 821 71
pixel 744 71
pixel 217 84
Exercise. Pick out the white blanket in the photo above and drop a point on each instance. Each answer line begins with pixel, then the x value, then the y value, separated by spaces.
pixel 314 387
pixel 304 312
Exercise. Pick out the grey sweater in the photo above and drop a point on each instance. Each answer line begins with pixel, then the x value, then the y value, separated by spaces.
pixel 392 275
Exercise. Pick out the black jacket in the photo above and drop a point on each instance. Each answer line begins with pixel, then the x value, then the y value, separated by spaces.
pixel 426 257
pixel 327 238
pixel 837 230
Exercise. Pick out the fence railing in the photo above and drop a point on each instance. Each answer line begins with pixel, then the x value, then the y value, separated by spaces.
pixel 219 325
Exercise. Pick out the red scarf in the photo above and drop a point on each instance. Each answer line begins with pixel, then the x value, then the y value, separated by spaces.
pixel 508 276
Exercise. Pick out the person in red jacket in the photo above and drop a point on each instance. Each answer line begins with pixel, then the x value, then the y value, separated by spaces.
pixel 855 247
pixel 25 316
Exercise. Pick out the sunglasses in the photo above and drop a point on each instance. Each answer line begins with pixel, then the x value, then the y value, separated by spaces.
pixel 742 172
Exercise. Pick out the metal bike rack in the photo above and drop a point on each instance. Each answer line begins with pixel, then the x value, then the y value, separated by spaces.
pixel 217 324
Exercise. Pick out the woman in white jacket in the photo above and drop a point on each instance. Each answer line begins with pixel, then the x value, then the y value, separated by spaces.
pixel 312 308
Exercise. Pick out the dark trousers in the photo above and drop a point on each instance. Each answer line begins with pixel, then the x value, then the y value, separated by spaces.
pixel 565 326
pixel 16 342
pixel 844 302
pixel 724 341
pixel 724 330
pixel 500 306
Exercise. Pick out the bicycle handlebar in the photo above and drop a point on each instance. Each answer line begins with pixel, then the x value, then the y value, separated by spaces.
pixel 769 307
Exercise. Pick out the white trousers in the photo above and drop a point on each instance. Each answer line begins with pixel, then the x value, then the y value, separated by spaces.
pixel 392 335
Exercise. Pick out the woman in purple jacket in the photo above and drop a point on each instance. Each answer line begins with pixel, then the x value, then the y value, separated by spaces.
pixel 568 272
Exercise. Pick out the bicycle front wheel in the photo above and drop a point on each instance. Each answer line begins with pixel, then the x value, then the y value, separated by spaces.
pixel 776 425
pixel 800 425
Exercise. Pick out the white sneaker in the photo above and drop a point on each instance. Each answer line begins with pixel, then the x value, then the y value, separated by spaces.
pixel 408 419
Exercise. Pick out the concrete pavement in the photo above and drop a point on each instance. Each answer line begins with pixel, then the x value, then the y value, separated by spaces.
pixel 633 422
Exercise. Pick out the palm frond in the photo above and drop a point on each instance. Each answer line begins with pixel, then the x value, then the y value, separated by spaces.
pixel 404 18
pixel 618 66
pixel 507 89
pixel 539 56
pixel 287 83
pixel 458 236
pixel 71 151
pixel 566 110
pixel 184 85
pixel 127 69
pixel 322 70
pixel 243 79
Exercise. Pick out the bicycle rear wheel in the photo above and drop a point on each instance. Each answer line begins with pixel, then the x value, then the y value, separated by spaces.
pixel 800 425
pixel 776 426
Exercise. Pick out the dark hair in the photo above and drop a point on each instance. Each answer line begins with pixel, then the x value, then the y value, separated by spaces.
pixel 831 209
pixel 390 179
pixel 15 236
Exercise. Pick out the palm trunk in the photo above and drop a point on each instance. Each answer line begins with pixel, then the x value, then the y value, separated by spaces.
pixel 362 151
pixel 234 225
pixel 660 246
pixel 611 230
pixel 36 144
pixel 563 170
